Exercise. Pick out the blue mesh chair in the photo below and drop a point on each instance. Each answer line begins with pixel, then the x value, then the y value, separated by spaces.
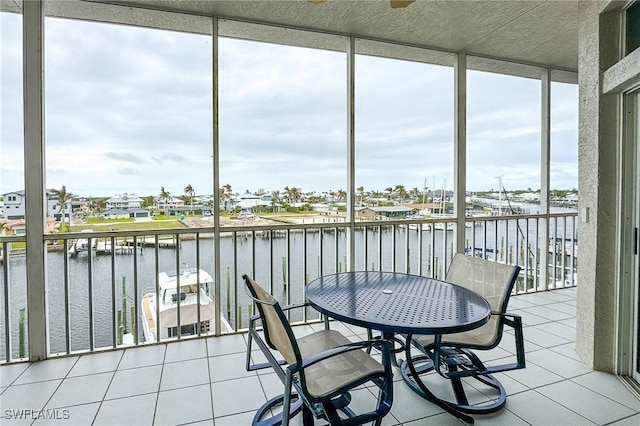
pixel 318 370
pixel 454 355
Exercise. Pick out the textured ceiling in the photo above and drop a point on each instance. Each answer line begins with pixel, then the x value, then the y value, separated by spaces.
pixel 530 32
pixel 536 32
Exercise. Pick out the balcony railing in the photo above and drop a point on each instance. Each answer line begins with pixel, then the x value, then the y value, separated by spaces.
pixel 96 281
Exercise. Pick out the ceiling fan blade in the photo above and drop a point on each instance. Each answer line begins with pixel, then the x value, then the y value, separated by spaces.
pixel 401 3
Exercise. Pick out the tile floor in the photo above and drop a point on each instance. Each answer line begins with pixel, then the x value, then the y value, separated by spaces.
pixel 204 382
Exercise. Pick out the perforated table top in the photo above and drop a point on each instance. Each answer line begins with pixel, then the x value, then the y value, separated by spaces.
pixel 397 302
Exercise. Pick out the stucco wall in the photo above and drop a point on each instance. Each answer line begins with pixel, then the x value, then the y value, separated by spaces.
pixel 598 180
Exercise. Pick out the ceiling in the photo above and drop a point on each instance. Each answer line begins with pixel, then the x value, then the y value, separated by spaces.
pixel 542 33
pixel 532 32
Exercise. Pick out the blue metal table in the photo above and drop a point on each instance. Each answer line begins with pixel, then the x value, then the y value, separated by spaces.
pixel 398 303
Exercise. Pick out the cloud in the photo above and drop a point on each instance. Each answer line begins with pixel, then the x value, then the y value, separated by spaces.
pixel 125 102
pixel 126 157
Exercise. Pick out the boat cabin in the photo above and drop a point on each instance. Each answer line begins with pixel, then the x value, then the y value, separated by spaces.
pixel 189 284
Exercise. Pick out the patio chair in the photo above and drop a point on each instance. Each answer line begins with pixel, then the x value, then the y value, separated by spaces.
pixel 453 354
pixel 318 370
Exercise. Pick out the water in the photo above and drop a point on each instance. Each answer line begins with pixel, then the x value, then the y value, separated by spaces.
pixel 273 265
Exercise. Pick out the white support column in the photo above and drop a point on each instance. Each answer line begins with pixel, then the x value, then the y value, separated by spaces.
pixel 460 147
pixel 351 153
pixel 216 178
pixel 545 171
pixel 35 186
pixel 598 175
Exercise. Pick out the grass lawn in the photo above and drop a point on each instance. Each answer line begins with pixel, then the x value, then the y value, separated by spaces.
pixel 131 226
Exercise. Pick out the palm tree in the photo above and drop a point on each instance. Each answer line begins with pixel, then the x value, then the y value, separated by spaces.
pixel 295 193
pixel 225 194
pixel 390 191
pixel 361 193
pixel 62 197
pixel 401 192
pixel 189 192
pixel 165 196
pixel 275 200
pixel 227 190
pixel 289 193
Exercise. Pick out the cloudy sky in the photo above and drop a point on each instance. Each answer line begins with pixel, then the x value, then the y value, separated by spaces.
pixel 130 110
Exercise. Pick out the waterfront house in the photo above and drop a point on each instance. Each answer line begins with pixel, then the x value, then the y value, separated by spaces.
pixel 139 214
pixel 124 201
pixel 12 227
pixel 171 202
pixel 582 342
pixel 252 202
pixel 383 213
pixel 426 208
pixel 14 204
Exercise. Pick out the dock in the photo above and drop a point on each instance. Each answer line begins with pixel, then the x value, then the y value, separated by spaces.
pixel 126 245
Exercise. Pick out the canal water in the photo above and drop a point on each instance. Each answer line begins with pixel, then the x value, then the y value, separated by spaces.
pixel 280 268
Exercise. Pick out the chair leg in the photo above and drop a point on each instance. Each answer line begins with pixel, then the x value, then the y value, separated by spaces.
pixel 307 416
pixel 412 378
pixel 462 402
pixel 294 409
pixel 486 408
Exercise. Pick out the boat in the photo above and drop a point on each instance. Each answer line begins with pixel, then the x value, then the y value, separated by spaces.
pixel 80 245
pixel 420 226
pixel 441 226
pixel 192 282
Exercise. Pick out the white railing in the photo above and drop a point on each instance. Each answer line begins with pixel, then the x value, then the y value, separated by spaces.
pixel 96 281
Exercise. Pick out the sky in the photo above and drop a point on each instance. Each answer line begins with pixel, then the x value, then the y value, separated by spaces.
pixel 130 110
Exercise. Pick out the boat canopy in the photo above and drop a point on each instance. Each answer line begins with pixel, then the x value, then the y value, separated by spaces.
pixel 188 277
pixel 188 314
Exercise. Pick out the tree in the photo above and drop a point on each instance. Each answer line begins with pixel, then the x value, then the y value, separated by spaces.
pixel 402 193
pixel 275 200
pixel 147 201
pixel 292 194
pixel 225 193
pixel 390 191
pixel 165 196
pixel 414 193
pixel 189 192
pixel 62 197
pixel 361 193
pixel 228 192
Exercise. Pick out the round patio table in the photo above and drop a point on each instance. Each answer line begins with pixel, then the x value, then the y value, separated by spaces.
pixel 399 303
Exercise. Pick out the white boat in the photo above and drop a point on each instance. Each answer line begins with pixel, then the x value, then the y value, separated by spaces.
pixel 192 283
pixel 80 245
pixel 420 226
pixel 441 226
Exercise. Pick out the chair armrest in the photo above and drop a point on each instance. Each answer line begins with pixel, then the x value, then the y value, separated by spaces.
pixel 295 306
pixel 514 321
pixel 315 358
pixel 256 317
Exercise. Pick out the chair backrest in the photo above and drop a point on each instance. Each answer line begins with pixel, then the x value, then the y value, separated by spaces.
pixel 492 280
pixel 277 331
